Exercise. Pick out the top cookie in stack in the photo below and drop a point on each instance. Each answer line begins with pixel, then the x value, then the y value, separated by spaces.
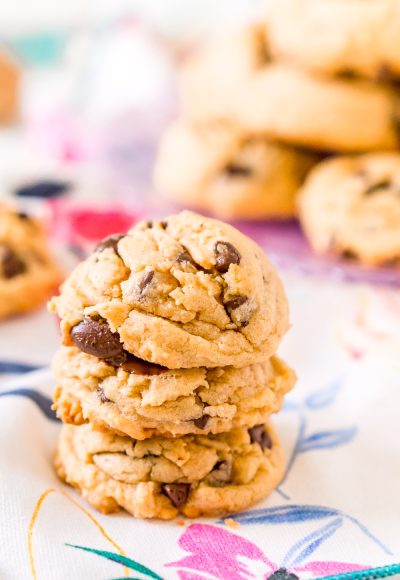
pixel 170 333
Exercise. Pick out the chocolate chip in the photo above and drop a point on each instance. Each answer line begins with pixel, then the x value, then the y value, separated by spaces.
pixel 226 254
pixel 185 258
pixel 44 189
pixel 137 366
pixel 202 421
pixel 235 303
pixel 110 242
pixel 283 574
pixel 149 224
pixel 383 184
pixel 164 225
pixel 102 396
pixel 221 474
pixel 23 216
pixel 233 170
pixel 96 338
pixel 348 255
pixel 11 264
pixel 176 492
pixel 260 436
pixel 146 280
pixel 346 74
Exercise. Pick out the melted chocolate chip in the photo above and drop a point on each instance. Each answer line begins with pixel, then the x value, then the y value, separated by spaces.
pixel 221 474
pixel 283 574
pixel 11 264
pixel 102 396
pixel 233 170
pixel 96 338
pixel 202 421
pixel 226 254
pixel 383 184
pixel 260 436
pixel 110 242
pixel 137 366
pixel 176 492
pixel 146 280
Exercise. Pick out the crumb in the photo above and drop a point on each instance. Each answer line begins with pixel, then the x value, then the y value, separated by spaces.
pixel 180 522
pixel 231 523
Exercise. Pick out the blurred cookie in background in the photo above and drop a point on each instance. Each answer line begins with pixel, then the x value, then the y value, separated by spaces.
pixel 216 168
pixel 350 206
pixel 337 36
pixel 235 79
pixel 28 272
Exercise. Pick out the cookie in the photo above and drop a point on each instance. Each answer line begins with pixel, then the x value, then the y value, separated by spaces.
pixel 285 103
pixel 337 37
pixel 186 292
pixel 351 206
pixel 195 475
pixel 146 400
pixel 216 168
pixel 28 273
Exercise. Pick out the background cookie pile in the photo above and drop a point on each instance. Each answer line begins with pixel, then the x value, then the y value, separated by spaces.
pixel 262 105
pixel 167 375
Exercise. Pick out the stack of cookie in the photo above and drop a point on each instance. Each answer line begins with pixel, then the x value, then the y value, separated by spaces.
pixel 167 375
pixel 262 105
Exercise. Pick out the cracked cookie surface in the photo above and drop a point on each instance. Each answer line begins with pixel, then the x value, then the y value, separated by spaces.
pixel 159 478
pixel 28 273
pixel 280 101
pixel 171 403
pixel 217 168
pixel 186 292
pixel 351 206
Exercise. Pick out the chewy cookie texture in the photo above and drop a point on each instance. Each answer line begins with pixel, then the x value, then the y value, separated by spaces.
pixel 185 292
pixel 147 401
pixel 28 273
pixel 159 478
pixel 167 376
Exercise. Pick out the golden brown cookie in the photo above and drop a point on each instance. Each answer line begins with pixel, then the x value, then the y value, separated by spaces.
pixel 337 37
pixel 195 475
pixel 28 272
pixel 143 400
pixel 286 103
pixel 351 206
pixel 185 292
pixel 216 168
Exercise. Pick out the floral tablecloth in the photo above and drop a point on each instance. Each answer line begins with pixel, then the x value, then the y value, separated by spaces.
pixel 337 509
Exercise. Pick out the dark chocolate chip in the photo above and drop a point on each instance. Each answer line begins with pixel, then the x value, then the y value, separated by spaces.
pixel 164 225
pixel 221 474
pixel 283 574
pixel 137 366
pixel 185 258
pixel 260 436
pixel 226 254
pixel 44 189
pixel 149 224
pixel 117 360
pixel 11 264
pixel 176 492
pixel 102 396
pixel 23 216
pixel 235 303
pixel 348 255
pixel 109 242
pixel 202 421
pixel 383 184
pixel 96 338
pixel 233 170
pixel 146 280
